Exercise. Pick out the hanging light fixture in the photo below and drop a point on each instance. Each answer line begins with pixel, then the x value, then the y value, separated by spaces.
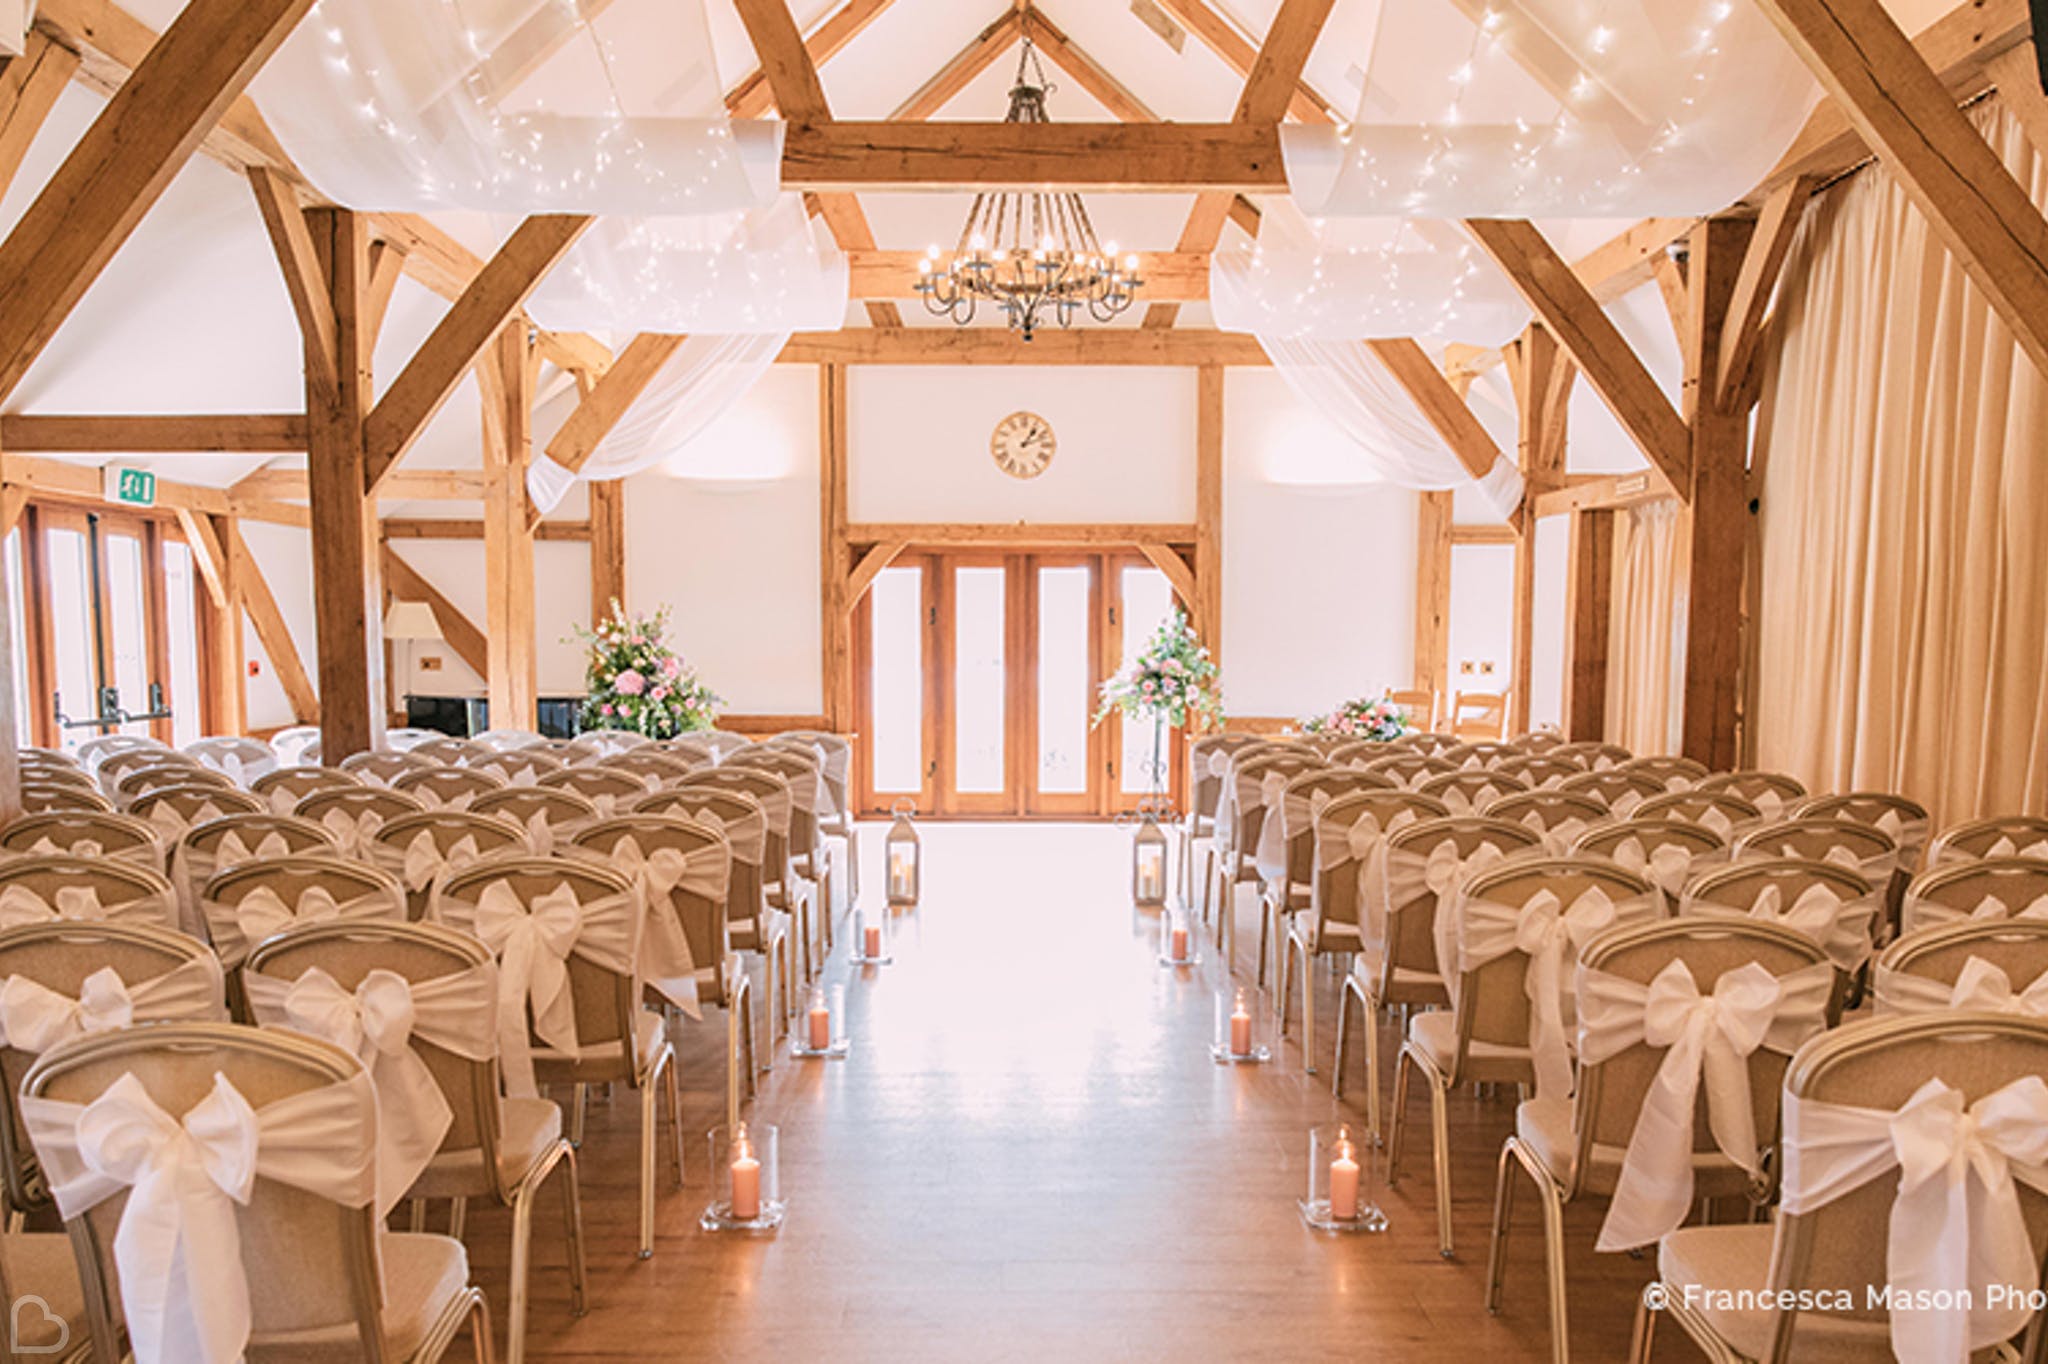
pixel 1030 253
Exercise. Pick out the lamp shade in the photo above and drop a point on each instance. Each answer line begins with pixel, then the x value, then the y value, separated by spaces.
pixel 411 620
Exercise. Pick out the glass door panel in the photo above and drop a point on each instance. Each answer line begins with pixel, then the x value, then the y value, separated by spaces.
pixel 895 684
pixel 980 681
pixel 126 626
pixel 71 639
pixel 25 705
pixel 1064 679
pixel 181 622
pixel 1144 601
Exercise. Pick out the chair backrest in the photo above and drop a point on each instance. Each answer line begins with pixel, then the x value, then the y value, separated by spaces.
pixel 1418 704
pixel 1338 861
pixel 292 742
pixel 2017 947
pixel 1616 788
pixel 1429 744
pixel 356 889
pixel 284 787
pixel 1669 851
pixel 1249 778
pixel 605 787
pixel 1998 836
pixel 518 766
pixel 1298 804
pixel 1771 792
pixel 1848 932
pixel 139 781
pixel 1208 763
pixel 1471 789
pixel 1591 755
pixel 1540 770
pixel 232 839
pixel 1903 821
pixel 1989 888
pixel 835 751
pixel 1845 842
pixel 455 837
pixel 40 797
pixel 59 957
pixel 235 755
pixel 382 767
pixel 696 749
pixel 1537 741
pixel 177 808
pixel 1410 768
pixel 354 814
pixel 546 813
pixel 109 770
pixel 407 738
pixel 1481 753
pixel 1413 936
pixel 1559 816
pixel 1479 715
pixel 449 752
pixel 738 816
pixel 1721 811
pixel 805 775
pixel 770 790
pixel 724 743
pixel 705 919
pixel 447 788
pixel 125 891
pixel 85 833
pixel 597 743
pixel 57 773
pixel 1671 772
pixel 654 767
pixel 310 1262
pixel 94 753
pixel 508 740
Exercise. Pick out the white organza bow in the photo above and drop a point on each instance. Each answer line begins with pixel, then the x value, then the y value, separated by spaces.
pixel 235 928
pixel 1841 927
pixel 354 835
pixel 1550 933
pixel 747 835
pixel 1557 838
pixel 1408 876
pixel 1271 795
pixel 377 1021
pixel 1624 804
pixel 1363 843
pixel 1981 986
pixel 434 800
pixel 177 1249
pixel 1463 801
pixel 1668 865
pixel 1910 834
pixel 232 851
pixel 423 863
pixel 2005 847
pixel 173 822
pixel 666 961
pixel 35 1018
pixel 540 833
pixel 1956 1226
pixel 19 905
pixel 1706 1037
pixel 82 847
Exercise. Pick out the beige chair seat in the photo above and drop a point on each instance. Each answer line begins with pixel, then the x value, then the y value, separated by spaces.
pixel 598 1062
pixel 1434 1035
pixel 1739 1258
pixel 1409 986
pixel 532 1127
pixel 41 1264
pixel 425 1279
pixel 1336 936
pixel 1545 1127
pixel 747 935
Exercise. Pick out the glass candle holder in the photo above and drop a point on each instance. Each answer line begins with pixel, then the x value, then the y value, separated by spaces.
pixel 1240 1037
pixel 821 1025
pixel 1148 863
pixel 746 1190
pixel 903 858
pixel 1339 1183
pixel 871 932
pixel 1178 944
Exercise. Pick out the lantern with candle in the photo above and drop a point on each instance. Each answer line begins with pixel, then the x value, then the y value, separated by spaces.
pixel 1177 940
pixel 820 1029
pixel 1338 1186
pixel 1240 1031
pixel 905 858
pixel 747 1194
pixel 1148 859
pixel 871 936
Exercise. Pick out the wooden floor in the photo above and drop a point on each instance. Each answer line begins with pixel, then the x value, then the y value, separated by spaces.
pixel 1031 1156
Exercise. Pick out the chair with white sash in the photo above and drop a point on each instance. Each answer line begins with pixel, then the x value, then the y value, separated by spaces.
pixel 1559 818
pixel 1515 933
pixel 751 924
pixel 1619 790
pixel 1668 851
pixel 835 810
pixel 567 934
pixel 2000 965
pixel 219 1183
pixel 1486 753
pixel 1998 836
pixel 140 781
pixel 45 797
pixel 1355 753
pixel 1719 812
pixel 682 872
pixel 1992 888
pixel 1470 790
pixel 290 744
pixel 608 789
pixel 237 757
pixel 1411 768
pixel 109 770
pixel 174 809
pixel 1537 741
pixel 1209 758
pixel 809 858
pixel 242 905
pixel 1905 822
pixel 1671 772
pixel 40 889
pixel 1419 866
pixel 423 849
pixel 1913 1212
pixel 39 1266
pixel 1224 762
pixel 653 767
pixel 407 738
pixel 354 814
pixel 1834 905
pixel 548 815
pixel 694 749
pixel 1286 855
pixel 1346 838
pixel 382 767
pixel 1685 1028
pixel 1258 777
pixel 448 751
pixel 723 742
pixel 231 840
pixel 1590 755
pixel 64 980
pixel 284 787
pixel 447 788
pixel 93 753
pixel 508 740
pixel 588 747
pixel 1429 743
pixel 1773 793
pixel 84 833
pixel 1538 771
pixel 519 766
pixel 419 1004
pixel 1862 848
pixel 56 773
pixel 784 893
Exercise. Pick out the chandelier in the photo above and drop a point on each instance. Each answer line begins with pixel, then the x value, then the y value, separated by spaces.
pixel 1032 254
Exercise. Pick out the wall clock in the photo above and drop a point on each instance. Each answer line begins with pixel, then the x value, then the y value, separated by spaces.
pixel 1022 445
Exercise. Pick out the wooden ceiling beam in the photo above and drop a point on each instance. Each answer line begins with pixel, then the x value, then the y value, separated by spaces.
pixel 1091 75
pixel 1000 346
pixel 29 86
pixel 1440 404
pixel 271 630
pixel 404 485
pixel 457 528
pixel 305 279
pixel 262 433
pixel 1742 332
pixel 785 62
pixel 610 400
pixel 66 482
pixel 461 634
pixel 753 97
pixel 1227 41
pixel 959 72
pixel 1166 157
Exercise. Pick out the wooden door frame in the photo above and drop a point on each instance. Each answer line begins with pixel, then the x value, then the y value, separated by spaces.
pixel 862 662
pixel 1089 802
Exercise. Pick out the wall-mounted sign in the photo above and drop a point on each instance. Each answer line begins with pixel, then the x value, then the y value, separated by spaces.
pixel 130 487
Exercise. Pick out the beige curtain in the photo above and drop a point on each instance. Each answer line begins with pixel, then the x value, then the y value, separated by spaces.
pixel 1903 448
pixel 1644 631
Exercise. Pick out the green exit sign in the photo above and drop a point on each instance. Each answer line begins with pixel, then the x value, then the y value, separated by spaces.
pixel 135 487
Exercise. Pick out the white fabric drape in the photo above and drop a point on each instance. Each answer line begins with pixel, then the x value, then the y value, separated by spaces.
pixel 1981 986
pixel 35 1018
pixel 1646 623
pixel 235 928
pixel 1903 621
pixel 1841 927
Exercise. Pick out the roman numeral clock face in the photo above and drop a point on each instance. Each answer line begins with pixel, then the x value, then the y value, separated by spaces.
pixel 1022 445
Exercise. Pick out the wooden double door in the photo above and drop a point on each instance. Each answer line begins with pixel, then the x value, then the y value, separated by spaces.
pixel 977 678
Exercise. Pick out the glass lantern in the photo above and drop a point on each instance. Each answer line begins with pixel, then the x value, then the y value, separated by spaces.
pixel 1240 1037
pixel 1339 1184
pixel 746 1191
pixel 1177 940
pixel 905 857
pixel 871 936
pixel 1148 862
pixel 820 1029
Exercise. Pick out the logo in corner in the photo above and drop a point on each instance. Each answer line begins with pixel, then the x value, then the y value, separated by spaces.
pixel 33 1341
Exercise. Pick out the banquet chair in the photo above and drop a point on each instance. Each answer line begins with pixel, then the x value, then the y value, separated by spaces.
pixel 407 738
pixel 508 740
pixel 809 859
pixel 751 925
pixel 291 742
pixel 1865 848
pixel 79 978
pixel 1286 855
pixel 1257 782
pixel 613 1038
pixel 1851 1239
pixel 1343 835
pixel 1999 964
pixel 547 814
pixel 609 789
pixel 600 743
pixel 42 797
pixel 1834 905
pixel 1227 760
pixel 1496 1028
pixel 518 766
pixel 1668 851
pixel 1537 741
pixel 1481 753
pixel 318 1275
pixel 694 749
pixel 137 782
pixel 782 892
pixel 447 751
pixel 1620 791
pixel 496 1147
pixel 56 773
pixel 1429 744
pixel 218 844
pixel 654 767
pixel 41 888
pixel 1991 888
pixel 1478 715
pixel 84 833
pixel 1998 836
pixel 422 849
pixel 1470 790
pixel 240 906
pixel 446 788
pixel 382 767
pixel 1591 755
pixel 282 788
pixel 1539 770
pixel 1903 821
pixel 39 1266
pixel 354 814
pixel 835 812
pixel 239 758
pixel 174 809
pixel 723 742
pixel 1409 768
pixel 1398 967
pixel 1671 772
pixel 1556 817
pixel 1418 704
pixel 1355 753
pixel 1773 793
pixel 1209 757
pixel 110 769
pixel 1585 1146
pixel 94 752
pixel 1721 812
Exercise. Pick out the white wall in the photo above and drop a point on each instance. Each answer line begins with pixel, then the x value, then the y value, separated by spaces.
pixel 1482 617
pixel 285 556
pixel 1553 569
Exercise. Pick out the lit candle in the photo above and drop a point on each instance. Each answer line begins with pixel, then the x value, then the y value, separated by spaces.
pixel 1180 942
pixel 872 942
pixel 746 1179
pixel 1241 1028
pixel 821 1023
pixel 1344 1180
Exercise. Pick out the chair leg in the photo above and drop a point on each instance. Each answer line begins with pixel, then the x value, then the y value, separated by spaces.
pixel 458 1216
pixel 480 1343
pixel 1503 1211
pixel 747 1038
pixel 1265 930
pixel 1645 1334
pixel 579 1100
pixel 1553 1260
pixel 1399 1122
pixel 647 1160
pixel 1308 1007
pixel 572 1216
pixel 1369 1019
pixel 1343 1021
pixel 1286 984
pixel 675 1114
pixel 1440 1157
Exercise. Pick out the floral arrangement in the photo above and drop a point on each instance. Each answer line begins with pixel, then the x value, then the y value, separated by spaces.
pixel 635 681
pixel 1378 720
pixel 1172 679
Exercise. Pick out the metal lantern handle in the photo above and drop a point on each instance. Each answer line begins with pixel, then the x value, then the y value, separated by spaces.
pixel 904 808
